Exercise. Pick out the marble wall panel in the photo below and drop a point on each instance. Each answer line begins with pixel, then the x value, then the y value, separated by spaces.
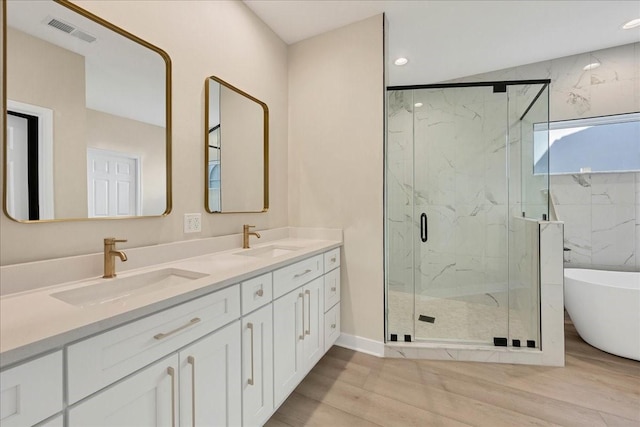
pixel 601 217
pixel 613 189
pixel 613 229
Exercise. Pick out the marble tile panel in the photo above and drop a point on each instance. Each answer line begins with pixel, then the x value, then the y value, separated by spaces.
pixel 441 221
pixel 571 189
pixel 496 242
pixel 437 272
pixel 611 98
pixel 577 232
pixel 551 293
pixel 613 188
pixel 613 236
pixel 617 63
pixel 470 230
pixel 469 273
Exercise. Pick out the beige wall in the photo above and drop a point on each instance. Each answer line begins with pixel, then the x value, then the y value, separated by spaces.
pixel 336 136
pixel 122 135
pixel 222 38
pixel 33 67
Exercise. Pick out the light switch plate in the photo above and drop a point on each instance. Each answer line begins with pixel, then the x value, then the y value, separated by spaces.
pixel 192 223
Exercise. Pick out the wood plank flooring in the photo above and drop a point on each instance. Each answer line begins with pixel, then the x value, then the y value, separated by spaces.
pixel 352 389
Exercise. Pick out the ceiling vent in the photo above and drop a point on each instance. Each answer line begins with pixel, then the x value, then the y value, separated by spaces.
pixel 69 29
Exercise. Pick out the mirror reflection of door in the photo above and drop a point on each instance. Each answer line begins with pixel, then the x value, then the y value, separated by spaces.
pixel 21 191
pixel 112 184
pixel 29 161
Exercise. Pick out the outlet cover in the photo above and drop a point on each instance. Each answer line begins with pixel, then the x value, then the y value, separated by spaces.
pixel 192 223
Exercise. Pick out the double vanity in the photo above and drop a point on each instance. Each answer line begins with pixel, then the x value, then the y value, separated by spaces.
pixel 215 339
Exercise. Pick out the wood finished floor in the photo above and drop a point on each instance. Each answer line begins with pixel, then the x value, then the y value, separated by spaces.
pixel 352 389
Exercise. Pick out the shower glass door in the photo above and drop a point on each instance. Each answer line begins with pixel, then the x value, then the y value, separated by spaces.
pixel 462 209
pixel 460 214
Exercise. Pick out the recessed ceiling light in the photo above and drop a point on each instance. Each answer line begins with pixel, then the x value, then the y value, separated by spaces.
pixel 631 24
pixel 418 104
pixel 591 66
pixel 401 61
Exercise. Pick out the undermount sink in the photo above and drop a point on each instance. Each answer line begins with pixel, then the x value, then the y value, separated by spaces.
pixel 107 291
pixel 271 251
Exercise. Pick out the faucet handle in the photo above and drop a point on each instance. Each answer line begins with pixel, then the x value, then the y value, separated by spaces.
pixel 112 240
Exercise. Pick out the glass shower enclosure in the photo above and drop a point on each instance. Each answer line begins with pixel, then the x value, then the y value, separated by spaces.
pixel 459 181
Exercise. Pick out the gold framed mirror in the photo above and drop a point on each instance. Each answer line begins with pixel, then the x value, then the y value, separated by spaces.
pixel 236 150
pixel 87 113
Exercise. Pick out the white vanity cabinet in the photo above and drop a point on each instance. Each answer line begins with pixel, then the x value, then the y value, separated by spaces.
pixel 257 366
pixel 200 385
pixel 210 374
pixel 31 392
pixel 298 336
pixel 147 398
pixel 227 358
pixel 96 362
pixel 331 298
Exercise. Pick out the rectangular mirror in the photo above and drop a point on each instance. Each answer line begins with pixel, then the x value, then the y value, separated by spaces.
pixel 87 117
pixel 236 151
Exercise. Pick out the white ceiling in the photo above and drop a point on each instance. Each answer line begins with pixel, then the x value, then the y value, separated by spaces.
pixel 450 39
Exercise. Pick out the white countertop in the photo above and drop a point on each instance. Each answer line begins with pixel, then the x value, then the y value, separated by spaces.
pixel 33 322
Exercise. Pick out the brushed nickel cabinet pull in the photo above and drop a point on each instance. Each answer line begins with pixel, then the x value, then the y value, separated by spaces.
pixel 308 331
pixel 250 326
pixel 259 292
pixel 333 326
pixel 307 271
pixel 172 374
pixel 192 361
pixel 301 295
pixel 333 258
pixel 166 334
pixel 333 289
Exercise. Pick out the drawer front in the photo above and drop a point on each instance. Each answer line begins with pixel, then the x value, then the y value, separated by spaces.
pixel 97 362
pixel 256 292
pixel 331 288
pixel 331 326
pixel 331 259
pixel 289 278
pixel 31 392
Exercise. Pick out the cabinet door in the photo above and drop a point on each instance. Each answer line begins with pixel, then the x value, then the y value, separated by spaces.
pixel 145 399
pixel 313 342
pixel 31 392
pixel 287 344
pixel 210 380
pixel 257 367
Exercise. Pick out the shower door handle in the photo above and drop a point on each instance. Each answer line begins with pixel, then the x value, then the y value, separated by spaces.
pixel 423 227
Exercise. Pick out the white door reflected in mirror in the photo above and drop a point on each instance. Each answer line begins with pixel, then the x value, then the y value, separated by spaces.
pixel 104 89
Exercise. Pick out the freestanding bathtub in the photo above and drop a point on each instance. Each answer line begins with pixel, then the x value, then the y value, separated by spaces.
pixel 605 309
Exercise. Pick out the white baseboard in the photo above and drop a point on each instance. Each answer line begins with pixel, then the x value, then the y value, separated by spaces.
pixel 363 345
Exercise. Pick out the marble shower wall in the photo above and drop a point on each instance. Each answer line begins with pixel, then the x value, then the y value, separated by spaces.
pixel 524 268
pixel 601 213
pixel 612 88
pixel 460 183
pixel 399 191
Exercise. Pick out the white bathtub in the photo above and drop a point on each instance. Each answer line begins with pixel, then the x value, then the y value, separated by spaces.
pixel 605 309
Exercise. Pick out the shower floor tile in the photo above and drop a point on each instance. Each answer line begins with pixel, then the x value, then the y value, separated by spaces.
pixel 472 319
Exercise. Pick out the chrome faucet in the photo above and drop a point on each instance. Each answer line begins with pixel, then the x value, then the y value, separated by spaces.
pixel 246 233
pixel 110 254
